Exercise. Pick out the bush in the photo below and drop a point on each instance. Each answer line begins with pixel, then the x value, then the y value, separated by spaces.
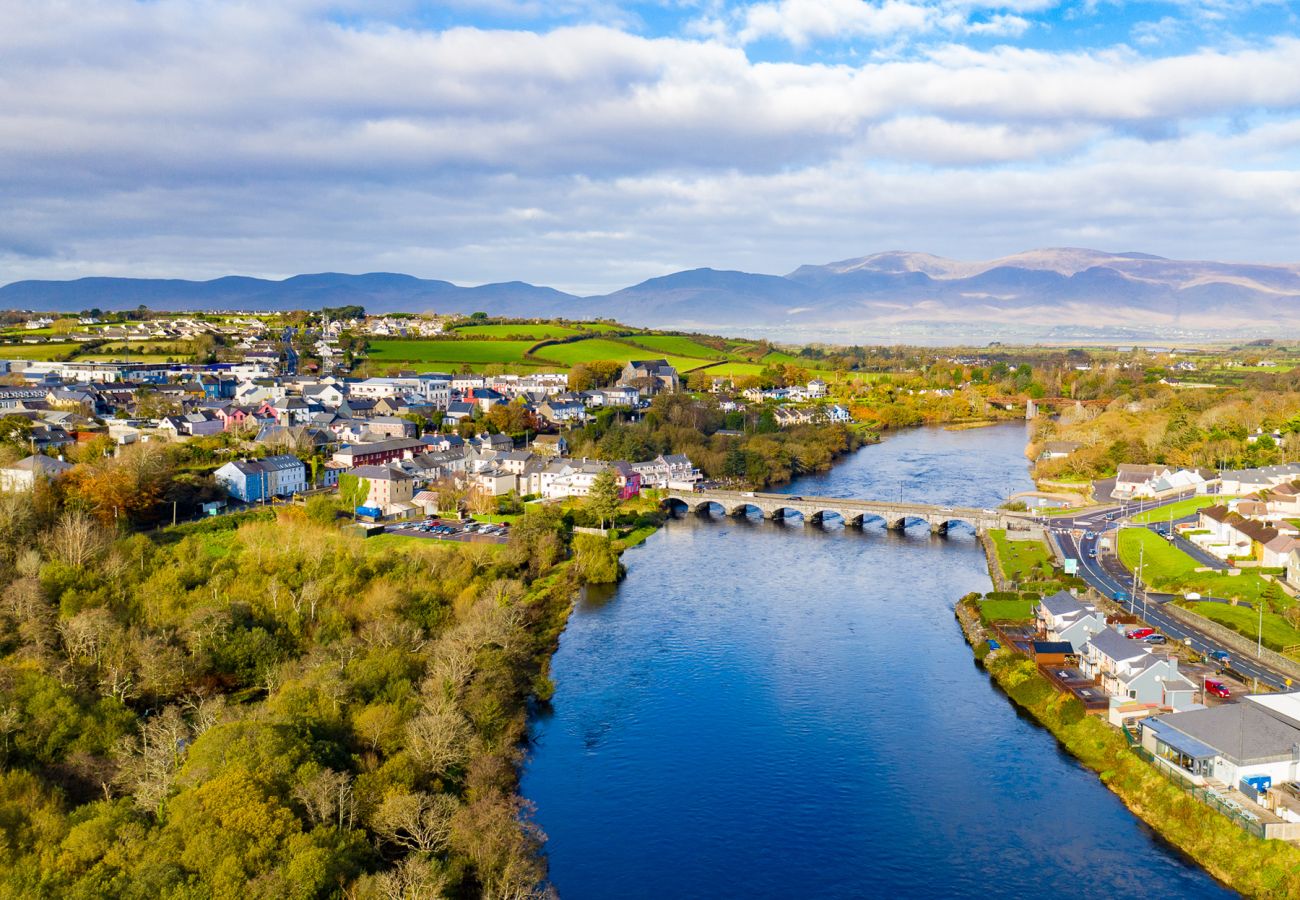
pixel 595 560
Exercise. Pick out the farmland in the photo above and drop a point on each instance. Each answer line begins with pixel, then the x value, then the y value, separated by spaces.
pixel 37 351
pixel 449 351
pixel 679 345
pixel 532 331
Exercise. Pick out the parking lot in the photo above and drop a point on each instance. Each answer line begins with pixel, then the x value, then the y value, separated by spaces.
pixel 452 530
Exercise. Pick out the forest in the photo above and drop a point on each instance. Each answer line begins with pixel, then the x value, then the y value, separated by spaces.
pixel 265 705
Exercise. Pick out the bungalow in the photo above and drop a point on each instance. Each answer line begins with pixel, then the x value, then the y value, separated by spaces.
pixel 1256 737
pixel 1129 669
pixel 1061 617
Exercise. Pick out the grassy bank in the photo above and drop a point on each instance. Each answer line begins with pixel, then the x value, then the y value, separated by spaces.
pixel 1254 867
pixel 1166 568
pixel 1179 509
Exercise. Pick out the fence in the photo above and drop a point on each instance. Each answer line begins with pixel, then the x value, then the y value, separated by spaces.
pixel 1226 806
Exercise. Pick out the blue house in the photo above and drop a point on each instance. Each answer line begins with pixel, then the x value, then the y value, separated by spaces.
pixel 245 480
pixel 217 388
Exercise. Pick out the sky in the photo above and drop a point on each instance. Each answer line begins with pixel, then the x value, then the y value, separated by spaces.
pixel 590 144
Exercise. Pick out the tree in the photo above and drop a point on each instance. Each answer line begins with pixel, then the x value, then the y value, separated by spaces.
pixel 353 491
pixel 604 496
pixel 481 501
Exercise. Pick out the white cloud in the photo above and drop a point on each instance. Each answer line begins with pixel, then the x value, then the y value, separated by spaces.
pixel 200 138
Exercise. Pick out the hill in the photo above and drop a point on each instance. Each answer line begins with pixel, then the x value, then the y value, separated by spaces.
pixel 1061 292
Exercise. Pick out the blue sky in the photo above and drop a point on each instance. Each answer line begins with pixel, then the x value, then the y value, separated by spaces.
pixel 589 144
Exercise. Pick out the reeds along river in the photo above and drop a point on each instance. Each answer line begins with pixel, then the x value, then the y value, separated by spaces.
pixel 774 710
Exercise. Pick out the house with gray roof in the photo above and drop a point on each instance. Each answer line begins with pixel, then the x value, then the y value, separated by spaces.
pixel 1063 617
pixel 1259 735
pixel 1129 669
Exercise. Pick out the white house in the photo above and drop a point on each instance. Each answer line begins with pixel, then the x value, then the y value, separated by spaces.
pixel 1257 736
pixel 1061 617
pixel 1128 668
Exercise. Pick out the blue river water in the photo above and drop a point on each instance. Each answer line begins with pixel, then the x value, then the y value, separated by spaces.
pixel 778 710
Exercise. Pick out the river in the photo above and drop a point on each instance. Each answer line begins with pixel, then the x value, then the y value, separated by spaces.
pixel 771 710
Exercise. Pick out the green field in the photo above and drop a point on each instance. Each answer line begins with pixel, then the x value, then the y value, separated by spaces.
pixel 1020 559
pixel 533 331
pixel 36 351
pixel 603 348
pixel 478 352
pixel 1278 633
pixel 1178 509
pixel 679 345
pixel 1166 568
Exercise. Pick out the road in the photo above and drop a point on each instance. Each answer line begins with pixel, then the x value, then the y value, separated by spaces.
pixel 1104 572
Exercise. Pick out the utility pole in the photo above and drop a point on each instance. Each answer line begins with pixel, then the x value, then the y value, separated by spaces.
pixel 1259 635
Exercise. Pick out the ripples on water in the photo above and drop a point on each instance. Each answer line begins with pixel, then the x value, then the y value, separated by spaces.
pixel 769 710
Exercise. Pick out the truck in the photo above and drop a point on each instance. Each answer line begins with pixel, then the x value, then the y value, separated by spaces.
pixel 1121 596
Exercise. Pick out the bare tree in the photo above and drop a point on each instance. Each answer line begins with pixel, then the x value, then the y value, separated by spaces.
pixel 438 737
pixel 416 821
pixel 328 798
pixel 77 539
pixel 149 761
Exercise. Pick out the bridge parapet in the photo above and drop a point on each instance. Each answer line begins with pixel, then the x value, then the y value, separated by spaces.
pixel 852 511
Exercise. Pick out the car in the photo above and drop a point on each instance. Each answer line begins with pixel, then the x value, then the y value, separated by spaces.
pixel 1156 638
pixel 1221 657
pixel 1140 633
pixel 1217 689
pixel 1089 535
pixel 1092 554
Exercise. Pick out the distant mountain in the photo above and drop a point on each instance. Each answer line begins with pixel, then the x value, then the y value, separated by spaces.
pixel 1049 292
pixel 377 292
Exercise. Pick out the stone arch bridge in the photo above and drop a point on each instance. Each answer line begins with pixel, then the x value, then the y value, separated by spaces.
pixel 896 516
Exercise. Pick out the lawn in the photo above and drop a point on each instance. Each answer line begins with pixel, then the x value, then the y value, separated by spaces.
pixel 36 351
pixel 1278 633
pixel 480 352
pixel 1179 509
pixel 678 345
pixel 1020 559
pixel 1166 568
pixel 535 331
pixel 1007 610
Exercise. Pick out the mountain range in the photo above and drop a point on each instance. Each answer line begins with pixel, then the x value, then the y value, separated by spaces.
pixel 1042 293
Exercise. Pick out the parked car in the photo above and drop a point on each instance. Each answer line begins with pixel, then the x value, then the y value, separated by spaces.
pixel 1217 689
pixel 1154 638
pixel 1140 633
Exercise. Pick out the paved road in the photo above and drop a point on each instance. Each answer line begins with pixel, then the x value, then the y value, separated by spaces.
pixel 1105 573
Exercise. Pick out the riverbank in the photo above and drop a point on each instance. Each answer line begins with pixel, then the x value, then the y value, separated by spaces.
pixel 1243 862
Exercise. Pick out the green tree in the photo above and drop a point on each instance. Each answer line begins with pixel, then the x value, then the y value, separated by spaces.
pixel 603 497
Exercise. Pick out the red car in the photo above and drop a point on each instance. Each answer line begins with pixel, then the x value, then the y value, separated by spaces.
pixel 1139 633
pixel 1217 689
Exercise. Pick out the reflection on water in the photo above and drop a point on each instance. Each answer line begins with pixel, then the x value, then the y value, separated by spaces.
pixel 769 709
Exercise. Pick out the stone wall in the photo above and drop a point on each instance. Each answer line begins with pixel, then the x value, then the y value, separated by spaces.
pixel 1237 643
